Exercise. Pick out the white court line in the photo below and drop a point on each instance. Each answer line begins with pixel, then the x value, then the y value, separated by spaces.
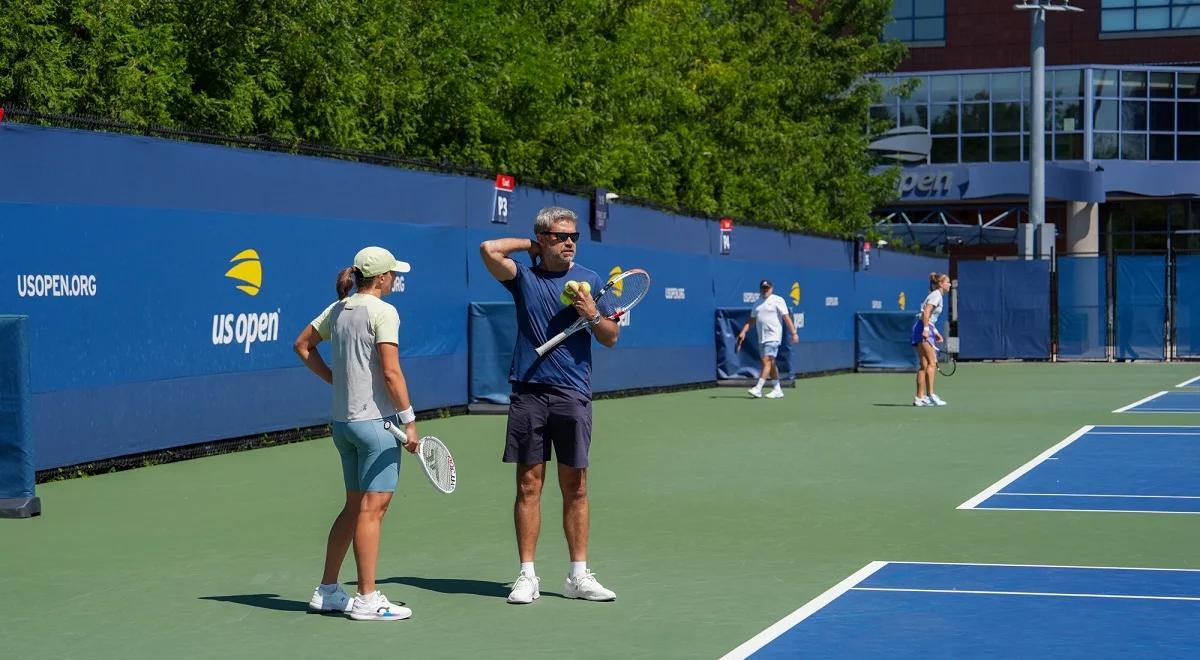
pixel 1141 433
pixel 783 625
pixel 1164 497
pixel 1002 508
pixel 1016 474
pixel 1094 568
pixel 1162 410
pixel 1188 382
pixel 1025 593
pixel 1135 404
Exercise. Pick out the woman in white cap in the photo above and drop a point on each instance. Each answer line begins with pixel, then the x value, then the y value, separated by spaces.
pixel 368 389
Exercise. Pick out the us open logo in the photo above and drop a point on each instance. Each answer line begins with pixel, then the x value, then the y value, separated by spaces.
pixel 245 329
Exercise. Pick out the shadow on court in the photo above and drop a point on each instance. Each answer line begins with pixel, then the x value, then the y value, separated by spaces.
pixel 265 601
pixel 894 405
pixel 455 586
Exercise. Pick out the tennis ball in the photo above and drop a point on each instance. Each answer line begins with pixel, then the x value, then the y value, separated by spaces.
pixel 586 287
pixel 568 295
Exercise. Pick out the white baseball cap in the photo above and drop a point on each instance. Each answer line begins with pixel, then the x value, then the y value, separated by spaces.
pixel 372 261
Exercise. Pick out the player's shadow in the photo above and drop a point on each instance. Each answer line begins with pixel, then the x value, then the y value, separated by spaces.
pixel 455 586
pixel 893 405
pixel 264 601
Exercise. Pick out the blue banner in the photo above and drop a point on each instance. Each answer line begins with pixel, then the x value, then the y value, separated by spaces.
pixel 1004 309
pixel 16 441
pixel 1082 308
pixel 1141 307
pixel 1187 305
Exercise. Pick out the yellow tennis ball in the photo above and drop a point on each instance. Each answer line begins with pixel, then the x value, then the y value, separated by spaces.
pixel 568 295
pixel 585 286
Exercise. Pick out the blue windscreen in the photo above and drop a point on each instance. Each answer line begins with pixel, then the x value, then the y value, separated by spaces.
pixel 1141 307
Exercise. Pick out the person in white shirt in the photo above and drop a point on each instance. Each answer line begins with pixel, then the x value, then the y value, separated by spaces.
pixel 771 313
pixel 923 329
pixel 369 389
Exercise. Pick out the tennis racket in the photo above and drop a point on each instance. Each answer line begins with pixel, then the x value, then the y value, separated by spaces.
pixel 436 460
pixel 946 364
pixel 613 301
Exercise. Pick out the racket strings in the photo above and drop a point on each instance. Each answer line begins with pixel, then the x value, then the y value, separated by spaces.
pixel 633 288
pixel 439 464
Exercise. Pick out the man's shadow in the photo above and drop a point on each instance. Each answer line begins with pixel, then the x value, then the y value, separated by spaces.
pixel 456 586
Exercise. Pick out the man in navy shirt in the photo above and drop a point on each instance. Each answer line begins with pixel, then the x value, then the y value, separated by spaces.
pixel 551 405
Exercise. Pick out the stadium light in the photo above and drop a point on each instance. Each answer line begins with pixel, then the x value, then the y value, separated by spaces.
pixel 1037 127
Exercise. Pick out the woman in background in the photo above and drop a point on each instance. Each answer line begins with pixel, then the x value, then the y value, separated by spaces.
pixel 923 330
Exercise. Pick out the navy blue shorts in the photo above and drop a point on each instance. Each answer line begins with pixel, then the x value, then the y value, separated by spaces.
pixel 544 419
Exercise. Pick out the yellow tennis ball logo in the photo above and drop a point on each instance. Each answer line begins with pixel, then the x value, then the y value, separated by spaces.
pixel 795 293
pixel 902 300
pixel 246 268
pixel 619 287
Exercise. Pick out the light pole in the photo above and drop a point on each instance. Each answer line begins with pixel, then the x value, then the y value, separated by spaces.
pixel 1037 123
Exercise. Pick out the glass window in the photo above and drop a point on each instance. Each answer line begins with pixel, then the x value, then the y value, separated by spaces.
pixel 1006 148
pixel 1006 86
pixel 944 150
pixel 1104 116
pixel 975 87
pixel 1068 83
pixel 1006 117
pixel 1120 20
pixel 1158 18
pixel 975 149
pixel 1133 115
pixel 1188 86
pixel 1068 116
pixel 943 120
pixel 1189 147
pixel 1104 146
pixel 1104 82
pixel 1162 116
pixel 917 20
pixel 1189 117
pixel 1185 17
pixel 1162 85
pixel 1068 146
pixel 914 114
pixel 1148 15
pixel 1162 147
pixel 975 119
pixel 1133 146
pixel 1133 84
pixel 943 88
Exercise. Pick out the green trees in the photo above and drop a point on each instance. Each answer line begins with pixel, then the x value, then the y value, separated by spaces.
pixel 750 108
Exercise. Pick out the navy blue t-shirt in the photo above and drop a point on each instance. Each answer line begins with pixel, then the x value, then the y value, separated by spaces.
pixel 540 316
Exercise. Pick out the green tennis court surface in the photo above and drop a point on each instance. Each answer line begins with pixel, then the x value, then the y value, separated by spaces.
pixel 713 516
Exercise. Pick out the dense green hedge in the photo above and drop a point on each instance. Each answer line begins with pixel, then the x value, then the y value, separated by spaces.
pixel 749 108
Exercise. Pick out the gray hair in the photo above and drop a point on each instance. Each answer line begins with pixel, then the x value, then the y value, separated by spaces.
pixel 550 215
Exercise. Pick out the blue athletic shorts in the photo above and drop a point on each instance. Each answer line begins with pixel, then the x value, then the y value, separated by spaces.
pixel 370 455
pixel 770 348
pixel 544 420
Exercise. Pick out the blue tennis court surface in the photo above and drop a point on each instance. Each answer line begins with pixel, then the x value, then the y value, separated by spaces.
pixel 916 610
pixel 1165 402
pixel 1194 382
pixel 1148 469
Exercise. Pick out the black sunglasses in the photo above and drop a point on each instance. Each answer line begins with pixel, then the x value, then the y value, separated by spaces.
pixel 561 236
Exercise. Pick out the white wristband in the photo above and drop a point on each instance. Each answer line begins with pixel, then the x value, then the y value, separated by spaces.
pixel 407 416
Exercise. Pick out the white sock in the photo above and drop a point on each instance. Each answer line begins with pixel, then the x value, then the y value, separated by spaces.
pixel 527 568
pixel 759 384
pixel 774 382
pixel 329 588
pixel 578 568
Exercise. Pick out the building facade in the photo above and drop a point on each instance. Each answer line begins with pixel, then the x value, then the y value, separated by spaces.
pixel 1122 142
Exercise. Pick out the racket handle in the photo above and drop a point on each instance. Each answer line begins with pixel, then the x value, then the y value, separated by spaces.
pixel 554 341
pixel 396 431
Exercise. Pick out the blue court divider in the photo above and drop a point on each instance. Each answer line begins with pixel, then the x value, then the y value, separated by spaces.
pixel 492 333
pixel 746 363
pixel 883 341
pixel 1187 305
pixel 1141 307
pixel 1082 308
pixel 16 441
pixel 1004 309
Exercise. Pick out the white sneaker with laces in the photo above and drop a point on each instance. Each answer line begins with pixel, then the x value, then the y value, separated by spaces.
pixel 329 601
pixel 921 401
pixel 755 392
pixel 936 400
pixel 775 394
pixel 376 607
pixel 525 590
pixel 587 587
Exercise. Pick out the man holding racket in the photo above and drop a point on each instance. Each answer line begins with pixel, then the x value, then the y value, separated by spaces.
pixel 550 411
pixel 770 314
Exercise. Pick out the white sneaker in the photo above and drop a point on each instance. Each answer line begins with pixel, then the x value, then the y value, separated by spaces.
pixel 775 394
pixel 755 392
pixel 922 401
pixel 525 590
pixel 335 601
pixel 376 607
pixel 586 587
pixel 936 400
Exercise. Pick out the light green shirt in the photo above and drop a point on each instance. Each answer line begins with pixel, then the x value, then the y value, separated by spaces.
pixel 354 326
